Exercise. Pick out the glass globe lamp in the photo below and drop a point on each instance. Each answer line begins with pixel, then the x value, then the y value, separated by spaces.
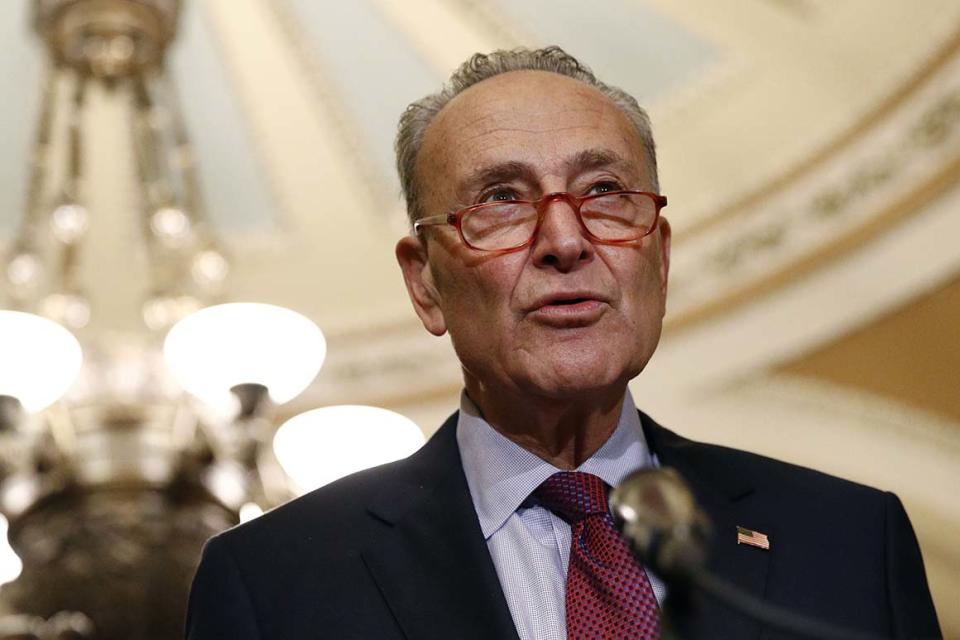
pixel 40 360
pixel 219 348
pixel 319 446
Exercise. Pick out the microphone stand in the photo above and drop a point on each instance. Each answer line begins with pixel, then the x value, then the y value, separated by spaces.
pixel 678 606
pixel 657 514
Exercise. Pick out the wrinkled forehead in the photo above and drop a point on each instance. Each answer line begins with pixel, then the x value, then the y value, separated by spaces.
pixel 528 101
pixel 528 116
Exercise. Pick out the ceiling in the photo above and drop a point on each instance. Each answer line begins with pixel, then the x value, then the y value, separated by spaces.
pixel 810 150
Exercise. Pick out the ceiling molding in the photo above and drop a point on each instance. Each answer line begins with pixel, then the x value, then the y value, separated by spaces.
pixel 748 201
pixel 890 173
pixel 882 222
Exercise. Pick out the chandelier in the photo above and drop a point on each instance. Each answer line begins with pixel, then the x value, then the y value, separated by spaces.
pixel 111 476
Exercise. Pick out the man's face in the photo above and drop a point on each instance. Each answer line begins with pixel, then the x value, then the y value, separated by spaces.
pixel 566 316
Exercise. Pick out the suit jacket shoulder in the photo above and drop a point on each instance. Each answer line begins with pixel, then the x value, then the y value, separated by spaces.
pixel 839 551
pixel 390 552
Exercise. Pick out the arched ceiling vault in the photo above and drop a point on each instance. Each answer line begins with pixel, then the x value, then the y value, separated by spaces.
pixel 810 150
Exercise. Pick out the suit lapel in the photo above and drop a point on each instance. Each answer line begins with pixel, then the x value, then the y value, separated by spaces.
pixel 435 572
pixel 433 566
pixel 728 501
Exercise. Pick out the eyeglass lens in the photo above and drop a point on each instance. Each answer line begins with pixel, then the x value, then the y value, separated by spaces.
pixel 615 216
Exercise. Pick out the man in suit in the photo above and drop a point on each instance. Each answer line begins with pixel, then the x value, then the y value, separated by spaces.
pixel 539 247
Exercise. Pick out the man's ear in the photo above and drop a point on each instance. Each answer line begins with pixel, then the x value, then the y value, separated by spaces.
pixel 665 235
pixel 412 257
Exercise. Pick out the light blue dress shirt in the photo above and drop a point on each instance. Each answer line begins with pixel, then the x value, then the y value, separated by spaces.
pixel 530 546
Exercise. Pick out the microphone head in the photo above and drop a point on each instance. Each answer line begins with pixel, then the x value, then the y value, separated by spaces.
pixel 657 514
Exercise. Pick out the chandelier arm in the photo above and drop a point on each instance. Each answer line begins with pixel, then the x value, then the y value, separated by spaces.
pixel 155 190
pixel 66 302
pixel 182 156
pixel 183 161
pixel 74 179
pixel 25 246
pixel 73 186
pixel 39 155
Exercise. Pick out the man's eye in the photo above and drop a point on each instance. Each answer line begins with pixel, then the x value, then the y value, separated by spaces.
pixel 499 195
pixel 604 187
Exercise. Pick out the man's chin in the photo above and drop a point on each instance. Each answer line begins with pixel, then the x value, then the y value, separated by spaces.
pixel 569 383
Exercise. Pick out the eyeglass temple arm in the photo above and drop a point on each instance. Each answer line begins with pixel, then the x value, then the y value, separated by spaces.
pixel 432 220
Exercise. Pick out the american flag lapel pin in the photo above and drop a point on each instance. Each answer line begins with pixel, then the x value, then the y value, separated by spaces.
pixel 753 538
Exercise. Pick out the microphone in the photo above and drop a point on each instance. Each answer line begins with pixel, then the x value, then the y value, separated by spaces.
pixel 657 514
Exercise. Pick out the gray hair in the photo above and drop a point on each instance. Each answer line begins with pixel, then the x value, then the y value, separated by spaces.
pixel 418 116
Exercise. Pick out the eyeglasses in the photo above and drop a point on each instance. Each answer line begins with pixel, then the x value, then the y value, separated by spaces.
pixel 510 225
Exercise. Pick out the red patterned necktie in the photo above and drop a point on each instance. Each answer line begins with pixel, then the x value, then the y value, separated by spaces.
pixel 608 593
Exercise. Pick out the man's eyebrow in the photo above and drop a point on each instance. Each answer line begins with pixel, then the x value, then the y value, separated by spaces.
pixel 594 159
pixel 512 169
pixel 500 172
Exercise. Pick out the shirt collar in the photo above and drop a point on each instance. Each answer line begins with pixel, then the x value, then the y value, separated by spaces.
pixel 501 474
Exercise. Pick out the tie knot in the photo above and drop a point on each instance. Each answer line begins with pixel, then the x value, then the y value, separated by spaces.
pixel 573 495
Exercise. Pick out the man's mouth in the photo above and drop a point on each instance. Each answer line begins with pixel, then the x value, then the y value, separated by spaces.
pixel 569 309
pixel 566 299
pixel 572 303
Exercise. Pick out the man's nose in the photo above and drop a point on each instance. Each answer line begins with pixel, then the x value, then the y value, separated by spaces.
pixel 561 242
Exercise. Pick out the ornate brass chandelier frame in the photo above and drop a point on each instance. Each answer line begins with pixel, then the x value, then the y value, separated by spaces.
pixel 110 495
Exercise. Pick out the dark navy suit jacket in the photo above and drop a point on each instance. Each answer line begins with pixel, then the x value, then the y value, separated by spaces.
pixel 396 553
